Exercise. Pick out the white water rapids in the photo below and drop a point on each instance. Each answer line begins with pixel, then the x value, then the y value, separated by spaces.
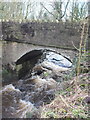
pixel 26 95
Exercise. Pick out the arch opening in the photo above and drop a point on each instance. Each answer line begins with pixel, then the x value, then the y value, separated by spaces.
pixel 25 64
pixel 45 58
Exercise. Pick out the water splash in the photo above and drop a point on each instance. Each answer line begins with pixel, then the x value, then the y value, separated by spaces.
pixel 12 104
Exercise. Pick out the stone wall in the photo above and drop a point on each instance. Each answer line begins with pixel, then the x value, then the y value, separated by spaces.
pixel 47 34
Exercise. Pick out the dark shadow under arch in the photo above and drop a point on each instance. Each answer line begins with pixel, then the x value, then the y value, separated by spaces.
pixel 28 56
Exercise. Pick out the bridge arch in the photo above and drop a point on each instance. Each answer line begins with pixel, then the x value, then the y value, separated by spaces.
pixel 13 51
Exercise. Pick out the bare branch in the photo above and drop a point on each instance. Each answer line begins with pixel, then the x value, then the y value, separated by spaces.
pixel 75 46
pixel 57 11
pixel 65 9
pixel 27 10
pixel 47 9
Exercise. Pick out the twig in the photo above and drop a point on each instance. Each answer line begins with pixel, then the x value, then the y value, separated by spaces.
pixel 64 101
pixel 65 9
pixel 47 10
pixel 75 46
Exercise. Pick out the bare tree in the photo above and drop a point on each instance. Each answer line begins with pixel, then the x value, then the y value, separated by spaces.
pixel 28 9
pixel 40 13
pixel 78 11
pixel 11 10
pixel 57 9
pixel 16 10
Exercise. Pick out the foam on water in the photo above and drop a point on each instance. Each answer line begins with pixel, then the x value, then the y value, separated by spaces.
pixel 12 104
pixel 58 59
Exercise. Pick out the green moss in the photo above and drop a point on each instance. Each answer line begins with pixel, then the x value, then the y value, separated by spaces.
pixel 69 89
pixel 46 74
pixel 8 75
pixel 29 115
pixel 51 114
pixel 79 113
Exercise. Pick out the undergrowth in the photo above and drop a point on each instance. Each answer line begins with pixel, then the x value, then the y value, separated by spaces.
pixel 70 101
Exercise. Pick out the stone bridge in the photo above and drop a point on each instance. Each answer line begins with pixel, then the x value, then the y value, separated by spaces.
pixel 12 51
pixel 21 38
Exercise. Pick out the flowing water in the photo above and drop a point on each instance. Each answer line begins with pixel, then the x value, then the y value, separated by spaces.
pixel 24 97
pixel 12 104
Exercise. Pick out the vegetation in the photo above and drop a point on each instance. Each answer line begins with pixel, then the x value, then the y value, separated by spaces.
pixel 58 10
pixel 70 102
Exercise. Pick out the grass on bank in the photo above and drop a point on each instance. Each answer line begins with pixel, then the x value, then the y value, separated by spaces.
pixel 70 102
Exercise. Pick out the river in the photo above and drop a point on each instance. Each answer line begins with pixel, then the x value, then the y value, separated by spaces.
pixel 36 87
